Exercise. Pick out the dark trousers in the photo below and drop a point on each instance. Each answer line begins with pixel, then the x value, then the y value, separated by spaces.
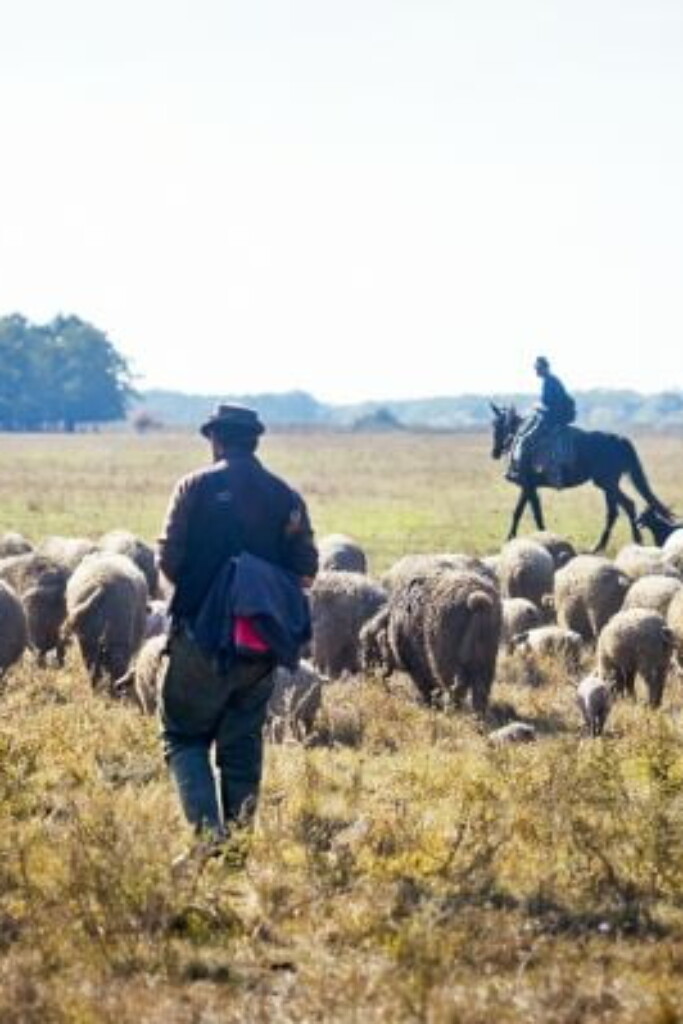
pixel 202 711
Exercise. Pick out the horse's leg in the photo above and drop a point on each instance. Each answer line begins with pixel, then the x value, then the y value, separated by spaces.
pixel 612 512
pixel 629 508
pixel 517 514
pixel 536 508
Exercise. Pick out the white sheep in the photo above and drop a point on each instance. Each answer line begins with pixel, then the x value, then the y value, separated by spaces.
pixel 526 569
pixel 589 590
pixel 653 592
pixel 636 642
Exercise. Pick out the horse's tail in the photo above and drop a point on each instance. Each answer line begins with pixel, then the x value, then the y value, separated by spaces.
pixel 635 470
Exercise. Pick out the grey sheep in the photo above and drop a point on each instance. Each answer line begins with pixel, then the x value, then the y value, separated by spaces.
pixel 338 552
pixel 157 619
pixel 513 732
pixel 444 630
pixel 106 600
pixel 40 582
pixel 294 703
pixel 414 567
pixel 653 592
pixel 12 543
pixel 341 602
pixel 560 549
pixel 142 681
pixel 68 551
pixel 13 628
pixel 527 570
pixel 637 560
pixel 589 590
pixel 594 698
pixel 636 642
pixel 554 642
pixel 519 616
pixel 123 542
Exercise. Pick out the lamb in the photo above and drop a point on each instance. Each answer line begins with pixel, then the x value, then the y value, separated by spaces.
pixel 589 590
pixel 653 592
pixel 560 550
pixel 12 543
pixel 142 681
pixel 637 561
pixel 338 552
pixel 594 699
pixel 443 630
pixel 123 542
pixel 551 642
pixel 513 732
pixel 519 616
pixel 294 703
pixel 13 628
pixel 68 551
pixel 106 601
pixel 40 582
pixel 634 642
pixel 526 570
pixel 341 602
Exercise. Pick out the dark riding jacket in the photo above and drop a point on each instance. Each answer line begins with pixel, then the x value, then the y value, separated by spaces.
pixel 559 408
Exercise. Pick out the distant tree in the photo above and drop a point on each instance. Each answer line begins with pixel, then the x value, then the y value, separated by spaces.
pixel 59 374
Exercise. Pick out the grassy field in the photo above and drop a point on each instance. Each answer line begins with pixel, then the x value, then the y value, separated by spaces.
pixel 403 868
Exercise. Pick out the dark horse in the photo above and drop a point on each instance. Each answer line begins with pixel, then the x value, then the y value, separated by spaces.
pixel 601 458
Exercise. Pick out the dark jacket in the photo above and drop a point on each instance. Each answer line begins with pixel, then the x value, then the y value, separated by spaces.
pixel 222 510
pixel 558 405
pixel 270 597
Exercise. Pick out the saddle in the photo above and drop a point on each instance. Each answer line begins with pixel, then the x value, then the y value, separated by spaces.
pixel 554 454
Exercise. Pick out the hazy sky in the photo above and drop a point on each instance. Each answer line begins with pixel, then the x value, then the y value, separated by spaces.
pixel 361 198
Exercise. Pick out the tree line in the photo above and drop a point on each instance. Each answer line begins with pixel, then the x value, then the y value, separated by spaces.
pixel 58 375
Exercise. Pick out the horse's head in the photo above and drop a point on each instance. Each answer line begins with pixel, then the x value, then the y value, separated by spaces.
pixel 506 421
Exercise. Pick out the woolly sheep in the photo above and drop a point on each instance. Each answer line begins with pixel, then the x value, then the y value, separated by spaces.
pixel 106 601
pixel 40 582
pixel 68 551
pixel 338 552
pixel 341 602
pixel 413 567
pixel 513 732
pixel 637 561
pixel 635 642
pixel 653 592
pixel 551 642
pixel 589 590
pixel 594 699
pixel 560 549
pixel 142 681
pixel 12 543
pixel 294 703
pixel 674 620
pixel 526 570
pixel 444 630
pixel 519 616
pixel 122 542
pixel 13 628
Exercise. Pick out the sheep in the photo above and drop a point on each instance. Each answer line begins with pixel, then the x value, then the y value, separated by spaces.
pixel 551 642
pixel 634 642
pixel 142 682
pixel 637 561
pixel 526 570
pixel 560 550
pixel 341 602
pixel 338 552
pixel 12 543
pixel 106 600
pixel 157 619
pixel 519 616
pixel 412 567
pixel 443 630
pixel 294 703
pixel 68 551
pixel 40 582
pixel 594 699
pixel 13 628
pixel 123 542
pixel 674 620
pixel 588 591
pixel 653 592
pixel 513 732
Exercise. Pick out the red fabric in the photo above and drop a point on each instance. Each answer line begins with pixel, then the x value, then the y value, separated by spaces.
pixel 247 636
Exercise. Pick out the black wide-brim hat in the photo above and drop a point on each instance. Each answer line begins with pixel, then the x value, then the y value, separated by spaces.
pixel 233 419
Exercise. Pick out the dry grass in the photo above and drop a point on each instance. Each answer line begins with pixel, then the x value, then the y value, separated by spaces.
pixel 403 869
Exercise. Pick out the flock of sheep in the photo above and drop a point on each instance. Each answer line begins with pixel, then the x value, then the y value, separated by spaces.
pixel 447 620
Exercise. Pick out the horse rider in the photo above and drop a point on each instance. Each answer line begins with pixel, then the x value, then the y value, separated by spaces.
pixel 555 409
